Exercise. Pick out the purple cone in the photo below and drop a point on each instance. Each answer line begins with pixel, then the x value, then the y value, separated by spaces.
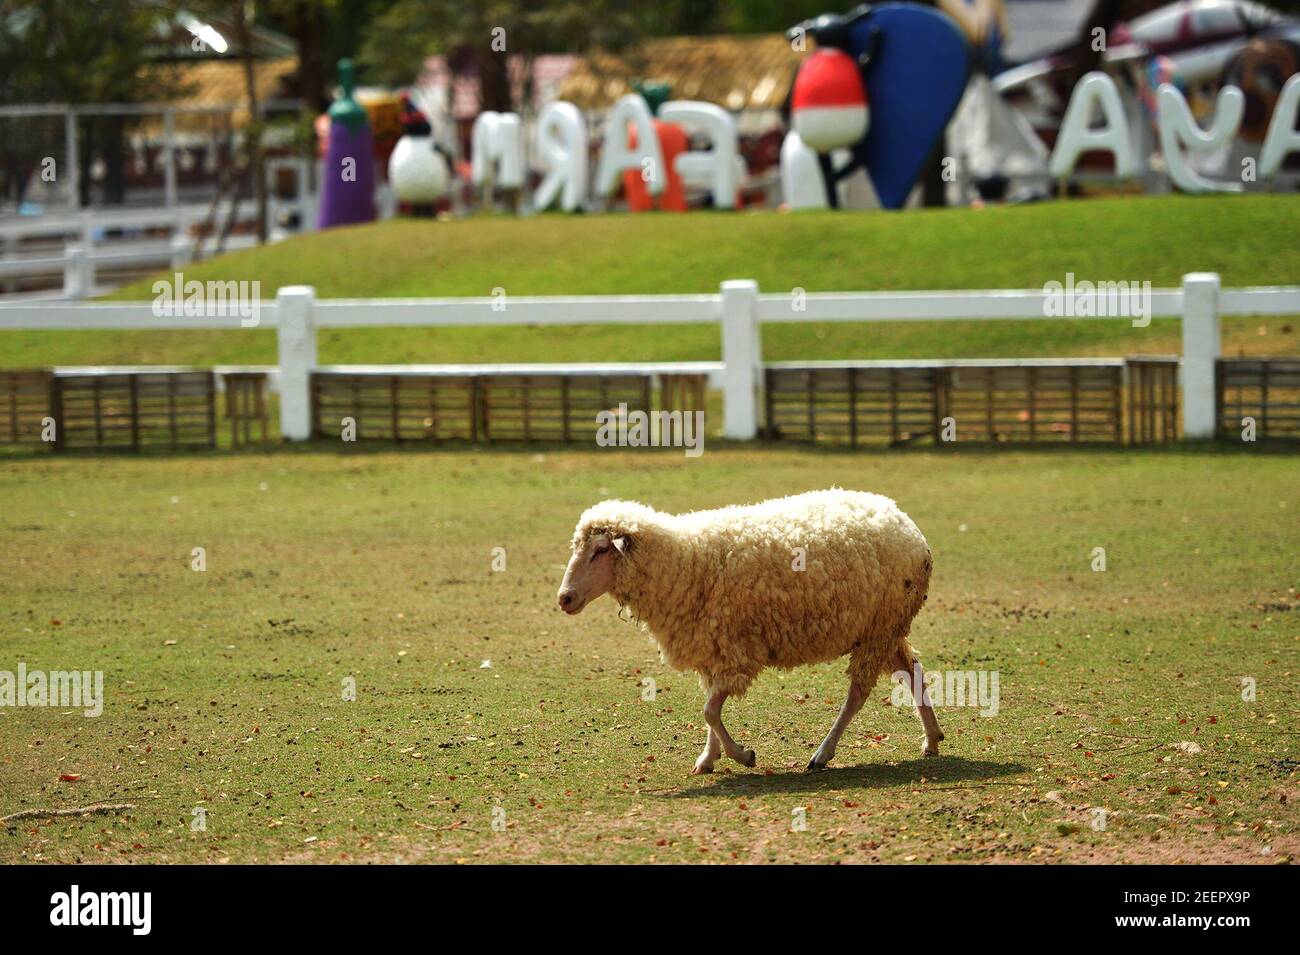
pixel 345 201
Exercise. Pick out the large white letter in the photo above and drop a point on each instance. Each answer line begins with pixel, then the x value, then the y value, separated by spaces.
pixel 497 150
pixel 617 156
pixel 1178 126
pixel 1075 138
pixel 718 166
pixel 1281 138
pixel 802 183
pixel 562 146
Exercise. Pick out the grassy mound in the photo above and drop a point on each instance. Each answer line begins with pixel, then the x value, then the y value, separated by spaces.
pixel 1248 240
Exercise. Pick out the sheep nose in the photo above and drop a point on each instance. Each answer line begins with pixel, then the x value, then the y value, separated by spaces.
pixel 566 599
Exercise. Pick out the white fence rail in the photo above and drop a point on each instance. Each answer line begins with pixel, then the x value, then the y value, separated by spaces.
pixel 78 260
pixel 81 255
pixel 738 308
pixel 586 310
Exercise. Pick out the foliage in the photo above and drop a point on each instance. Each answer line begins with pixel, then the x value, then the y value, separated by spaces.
pixel 93 51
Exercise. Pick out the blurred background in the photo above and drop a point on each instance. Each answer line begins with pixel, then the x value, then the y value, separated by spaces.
pixel 216 112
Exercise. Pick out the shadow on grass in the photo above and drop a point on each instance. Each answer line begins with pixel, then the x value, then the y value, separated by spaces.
pixel 945 769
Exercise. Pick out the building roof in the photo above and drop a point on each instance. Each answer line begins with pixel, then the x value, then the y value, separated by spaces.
pixel 219 83
pixel 735 72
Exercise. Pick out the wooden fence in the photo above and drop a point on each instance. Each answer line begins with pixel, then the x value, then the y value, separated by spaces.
pixel 1027 400
pixel 245 404
pixel 28 400
pixel 1152 400
pixel 134 411
pixel 1264 390
pixel 483 407
pixel 1067 401
pixel 851 404
pixel 1100 400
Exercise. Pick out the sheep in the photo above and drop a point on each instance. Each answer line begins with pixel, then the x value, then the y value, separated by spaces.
pixel 793 580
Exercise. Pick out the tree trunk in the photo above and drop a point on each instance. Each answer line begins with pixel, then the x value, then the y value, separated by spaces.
pixel 86 153
pixel 309 35
pixel 114 161
pixel 253 131
pixel 494 82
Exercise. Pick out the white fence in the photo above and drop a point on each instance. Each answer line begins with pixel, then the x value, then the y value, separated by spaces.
pixel 79 258
pixel 168 112
pixel 737 307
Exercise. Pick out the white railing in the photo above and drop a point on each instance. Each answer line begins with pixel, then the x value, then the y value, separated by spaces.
pixel 517 310
pixel 79 263
pixel 80 256
pixel 737 307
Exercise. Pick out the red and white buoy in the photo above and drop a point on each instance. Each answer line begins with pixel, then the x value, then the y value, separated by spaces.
pixel 829 106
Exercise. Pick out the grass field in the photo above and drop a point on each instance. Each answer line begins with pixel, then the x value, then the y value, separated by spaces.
pixel 1249 240
pixel 1119 690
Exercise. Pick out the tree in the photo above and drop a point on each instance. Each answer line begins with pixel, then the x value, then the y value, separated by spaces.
pixel 322 31
pixel 94 51
pixel 481 35
pixel 253 131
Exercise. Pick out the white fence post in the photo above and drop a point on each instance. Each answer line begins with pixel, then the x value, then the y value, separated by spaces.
pixel 1201 349
pixel 294 305
pixel 742 355
pixel 78 271
pixel 181 249
pixel 169 158
pixel 71 175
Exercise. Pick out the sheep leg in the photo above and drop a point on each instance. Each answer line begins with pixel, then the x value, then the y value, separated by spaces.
pixel 712 750
pixel 933 735
pixel 713 716
pixel 852 703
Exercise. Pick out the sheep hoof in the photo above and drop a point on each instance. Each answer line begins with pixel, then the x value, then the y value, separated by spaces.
pixel 929 748
pixel 748 758
pixel 813 765
pixel 701 769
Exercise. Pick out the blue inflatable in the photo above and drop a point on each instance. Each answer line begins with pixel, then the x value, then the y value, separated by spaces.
pixel 915 64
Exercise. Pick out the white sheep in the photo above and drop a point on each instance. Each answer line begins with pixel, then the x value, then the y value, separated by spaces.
pixel 730 592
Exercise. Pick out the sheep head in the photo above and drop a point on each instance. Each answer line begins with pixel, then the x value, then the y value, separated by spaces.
pixel 590 573
pixel 606 536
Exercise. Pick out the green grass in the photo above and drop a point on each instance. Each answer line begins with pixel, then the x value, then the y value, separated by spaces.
pixel 1249 240
pixel 223 687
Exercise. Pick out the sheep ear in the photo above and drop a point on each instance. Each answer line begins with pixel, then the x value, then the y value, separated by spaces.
pixel 623 544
